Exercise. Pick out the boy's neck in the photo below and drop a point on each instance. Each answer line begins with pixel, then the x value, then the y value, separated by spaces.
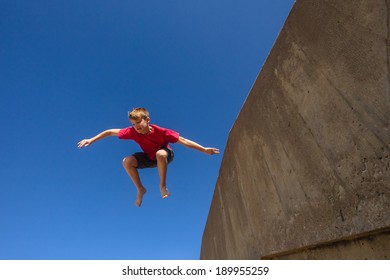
pixel 148 130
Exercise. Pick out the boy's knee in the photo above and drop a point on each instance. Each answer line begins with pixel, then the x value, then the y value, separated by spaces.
pixel 161 154
pixel 130 161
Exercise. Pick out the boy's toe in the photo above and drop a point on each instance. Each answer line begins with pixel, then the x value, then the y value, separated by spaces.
pixel 164 192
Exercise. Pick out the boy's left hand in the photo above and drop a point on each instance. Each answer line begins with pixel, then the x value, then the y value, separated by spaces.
pixel 211 151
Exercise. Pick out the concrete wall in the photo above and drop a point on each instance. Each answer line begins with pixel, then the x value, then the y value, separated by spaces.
pixel 307 163
pixel 368 247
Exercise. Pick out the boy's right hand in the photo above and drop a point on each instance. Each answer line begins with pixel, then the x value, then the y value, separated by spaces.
pixel 84 143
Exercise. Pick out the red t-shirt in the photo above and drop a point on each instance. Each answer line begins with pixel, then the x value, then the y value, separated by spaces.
pixel 150 143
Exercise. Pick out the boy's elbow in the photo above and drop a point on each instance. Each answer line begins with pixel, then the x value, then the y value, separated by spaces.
pixel 112 132
pixel 182 140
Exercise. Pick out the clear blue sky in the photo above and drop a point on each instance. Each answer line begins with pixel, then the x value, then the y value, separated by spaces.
pixel 70 69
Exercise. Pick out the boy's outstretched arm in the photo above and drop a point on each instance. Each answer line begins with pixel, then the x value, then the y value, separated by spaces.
pixel 193 145
pixel 108 132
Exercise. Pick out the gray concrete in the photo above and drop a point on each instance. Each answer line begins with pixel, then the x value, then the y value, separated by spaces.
pixel 307 160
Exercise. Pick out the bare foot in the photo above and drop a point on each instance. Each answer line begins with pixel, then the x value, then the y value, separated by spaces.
pixel 164 192
pixel 140 195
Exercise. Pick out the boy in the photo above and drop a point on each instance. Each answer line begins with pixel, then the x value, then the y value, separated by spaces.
pixel 154 141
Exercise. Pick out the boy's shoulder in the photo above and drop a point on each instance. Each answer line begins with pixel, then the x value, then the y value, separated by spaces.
pixel 168 135
pixel 160 128
pixel 126 132
pixel 155 126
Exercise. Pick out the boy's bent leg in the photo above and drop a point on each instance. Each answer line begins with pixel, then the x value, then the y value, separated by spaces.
pixel 130 164
pixel 162 166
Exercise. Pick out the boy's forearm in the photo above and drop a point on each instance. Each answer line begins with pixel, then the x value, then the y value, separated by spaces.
pixel 196 146
pixel 99 136
pixel 87 142
pixel 193 145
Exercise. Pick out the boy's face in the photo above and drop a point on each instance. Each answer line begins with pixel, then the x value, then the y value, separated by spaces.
pixel 141 125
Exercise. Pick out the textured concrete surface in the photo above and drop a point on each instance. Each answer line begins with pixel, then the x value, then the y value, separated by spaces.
pixel 307 160
pixel 369 247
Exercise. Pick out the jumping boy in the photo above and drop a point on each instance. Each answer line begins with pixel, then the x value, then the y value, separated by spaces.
pixel 154 142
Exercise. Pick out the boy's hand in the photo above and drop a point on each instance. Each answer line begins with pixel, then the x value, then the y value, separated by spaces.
pixel 108 132
pixel 193 145
pixel 212 151
pixel 84 143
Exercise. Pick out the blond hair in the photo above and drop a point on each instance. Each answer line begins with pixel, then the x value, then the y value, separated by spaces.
pixel 138 113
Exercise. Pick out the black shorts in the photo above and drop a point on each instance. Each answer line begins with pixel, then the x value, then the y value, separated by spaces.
pixel 145 162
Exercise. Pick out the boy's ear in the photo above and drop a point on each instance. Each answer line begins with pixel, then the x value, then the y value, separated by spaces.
pixel 147 120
